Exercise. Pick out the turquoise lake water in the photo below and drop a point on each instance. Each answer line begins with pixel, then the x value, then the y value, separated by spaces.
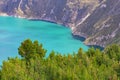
pixel 53 36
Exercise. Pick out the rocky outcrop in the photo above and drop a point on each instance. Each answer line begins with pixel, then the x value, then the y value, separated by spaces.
pixel 96 20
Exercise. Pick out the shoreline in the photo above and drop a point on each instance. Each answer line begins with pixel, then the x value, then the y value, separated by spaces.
pixel 41 20
pixel 81 38
pixel 97 47
pixel 78 37
pixel 45 20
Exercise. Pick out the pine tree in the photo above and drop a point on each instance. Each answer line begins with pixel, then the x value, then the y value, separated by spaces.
pixel 29 49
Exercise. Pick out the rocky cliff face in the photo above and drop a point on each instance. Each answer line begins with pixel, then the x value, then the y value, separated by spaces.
pixel 96 20
pixel 68 12
pixel 102 27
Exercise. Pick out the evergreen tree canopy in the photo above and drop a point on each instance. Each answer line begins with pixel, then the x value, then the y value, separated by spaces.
pixel 90 65
pixel 29 49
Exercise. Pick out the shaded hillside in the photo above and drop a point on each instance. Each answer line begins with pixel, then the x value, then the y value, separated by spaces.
pixel 102 27
pixel 66 12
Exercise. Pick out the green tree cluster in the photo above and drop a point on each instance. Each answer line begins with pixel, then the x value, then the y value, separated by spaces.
pixel 90 65
pixel 29 49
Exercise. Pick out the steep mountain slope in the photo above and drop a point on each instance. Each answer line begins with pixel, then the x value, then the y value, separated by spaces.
pixel 96 20
pixel 102 27
pixel 66 12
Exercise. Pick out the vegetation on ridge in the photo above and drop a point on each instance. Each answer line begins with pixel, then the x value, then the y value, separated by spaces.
pixel 90 65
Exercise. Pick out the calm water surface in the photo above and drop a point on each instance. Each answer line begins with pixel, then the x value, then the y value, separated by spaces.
pixel 53 37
